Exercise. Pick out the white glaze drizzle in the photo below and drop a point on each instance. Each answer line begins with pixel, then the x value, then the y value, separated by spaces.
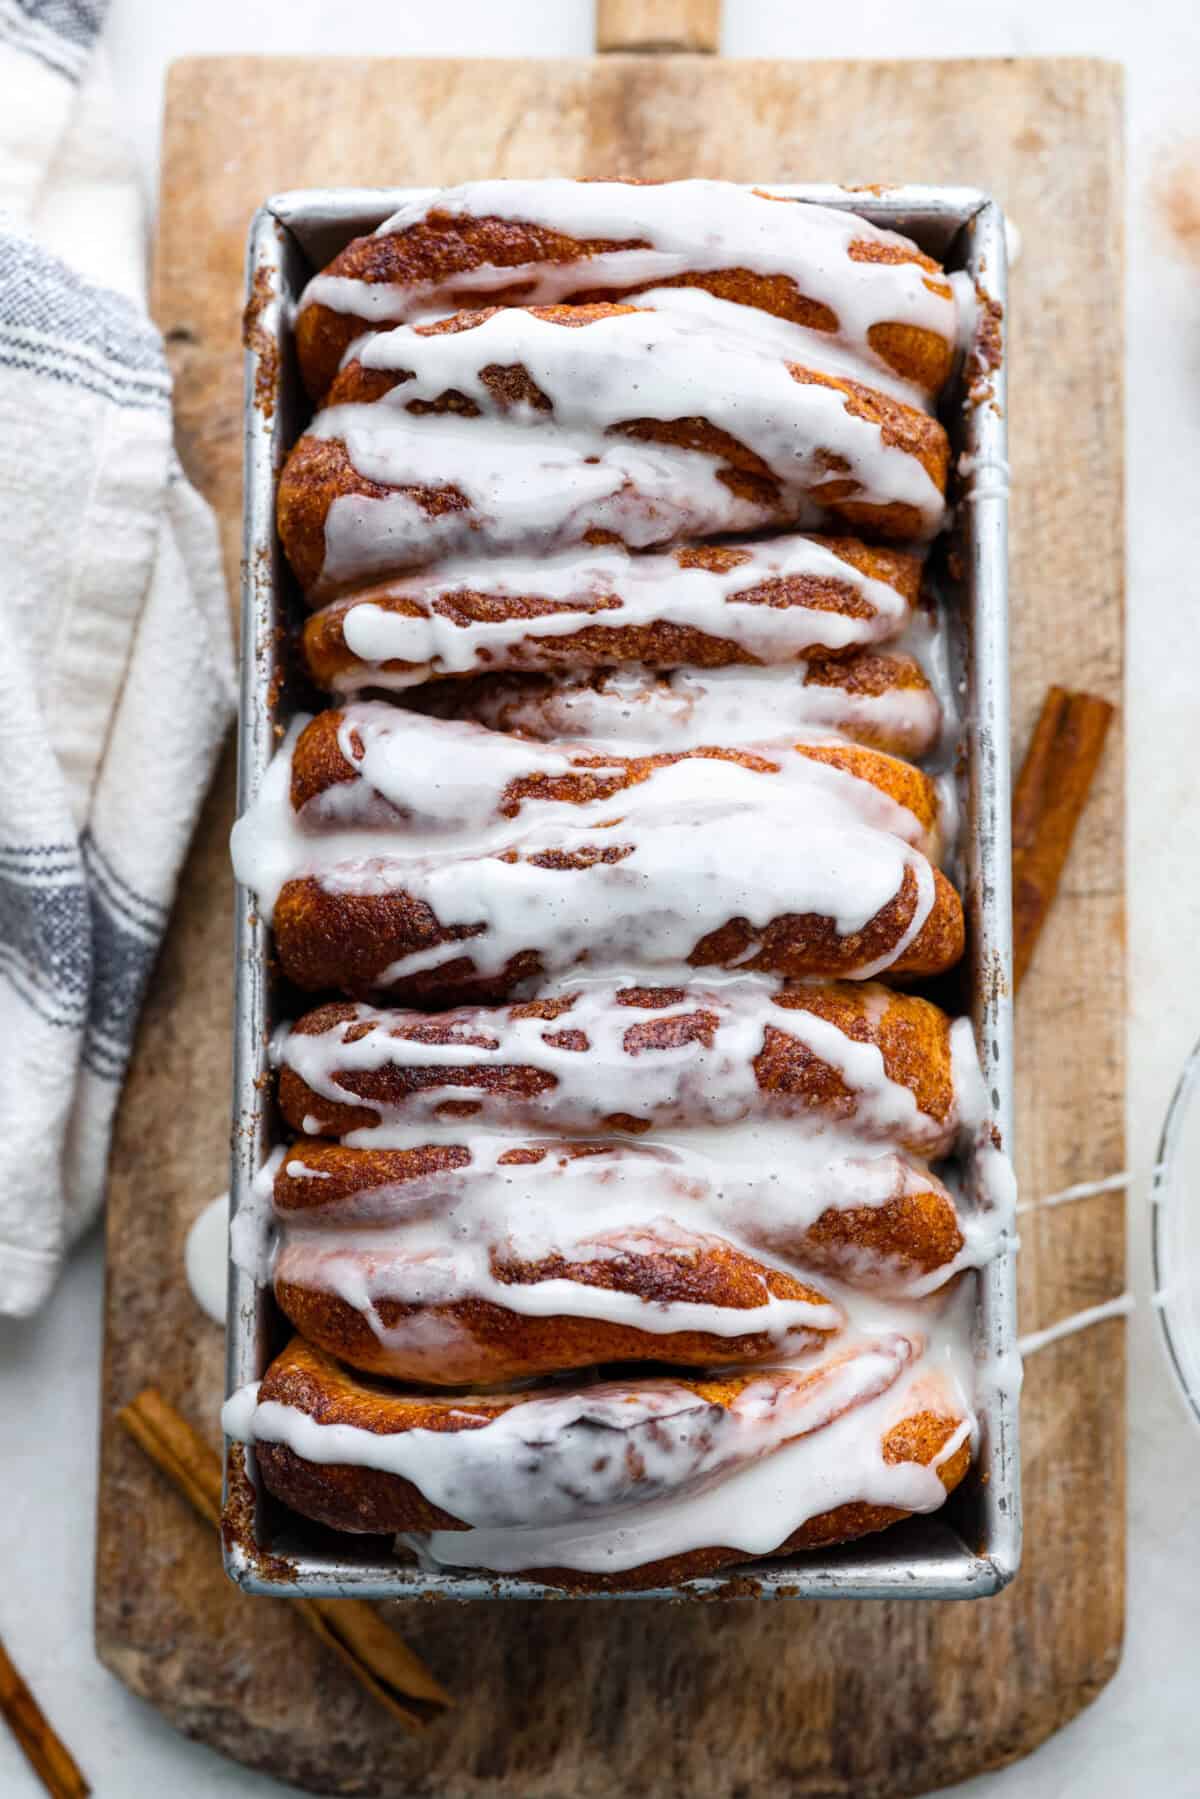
pixel 761 1502
pixel 447 779
pixel 706 839
pixel 753 1183
pixel 418 1267
pixel 252 1234
pixel 650 589
pixel 238 1412
pixel 206 1257
pixel 982 478
pixel 690 706
pixel 751 1505
pixel 781 337
pixel 431 1240
pixel 753 1511
pixel 690 226
pixel 758 1184
pixel 544 1461
pixel 536 479
pixel 704 1080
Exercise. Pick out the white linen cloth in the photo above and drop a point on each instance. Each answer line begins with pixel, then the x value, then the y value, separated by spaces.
pixel 116 661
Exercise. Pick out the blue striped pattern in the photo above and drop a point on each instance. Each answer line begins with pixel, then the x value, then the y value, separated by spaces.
pixel 58 33
pixel 77 941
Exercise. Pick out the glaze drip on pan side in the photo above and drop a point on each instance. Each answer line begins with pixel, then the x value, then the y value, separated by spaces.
pixel 631 1212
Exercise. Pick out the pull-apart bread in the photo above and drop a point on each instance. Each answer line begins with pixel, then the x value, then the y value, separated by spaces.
pixel 628 1198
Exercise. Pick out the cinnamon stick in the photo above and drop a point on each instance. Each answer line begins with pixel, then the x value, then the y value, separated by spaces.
pixel 381 1663
pixel 48 1756
pixel 174 1446
pixel 1050 795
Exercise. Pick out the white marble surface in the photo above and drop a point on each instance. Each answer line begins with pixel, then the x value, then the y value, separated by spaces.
pixel 1143 1734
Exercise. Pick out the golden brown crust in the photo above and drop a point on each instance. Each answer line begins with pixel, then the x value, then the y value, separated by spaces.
pixel 912 1035
pixel 441 248
pixel 344 1172
pixel 347 941
pixel 367 1499
pixel 868 675
pixel 481 1342
pixel 844 1524
pixel 347 1498
pixel 318 764
pixel 911 1235
pixel 877 1246
pixel 363 1499
pixel 901 427
pixel 318 470
pixel 805 944
pixel 305 1377
pixel 546 707
pixel 664 643
pixel 350 1498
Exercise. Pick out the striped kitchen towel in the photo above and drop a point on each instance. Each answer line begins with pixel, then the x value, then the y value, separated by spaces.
pixel 116 679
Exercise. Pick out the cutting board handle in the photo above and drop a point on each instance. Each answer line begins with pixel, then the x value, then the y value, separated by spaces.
pixel 658 25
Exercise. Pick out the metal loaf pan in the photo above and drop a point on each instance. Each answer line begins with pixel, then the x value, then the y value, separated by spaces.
pixel 972 1547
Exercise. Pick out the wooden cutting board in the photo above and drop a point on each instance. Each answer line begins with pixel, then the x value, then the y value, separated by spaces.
pixel 719 1699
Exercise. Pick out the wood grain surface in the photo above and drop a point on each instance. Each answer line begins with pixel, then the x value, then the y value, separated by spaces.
pixel 585 1699
pixel 658 24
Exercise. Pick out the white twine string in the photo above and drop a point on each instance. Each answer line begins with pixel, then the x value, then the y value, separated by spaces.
pixel 1111 1183
pixel 1079 1321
